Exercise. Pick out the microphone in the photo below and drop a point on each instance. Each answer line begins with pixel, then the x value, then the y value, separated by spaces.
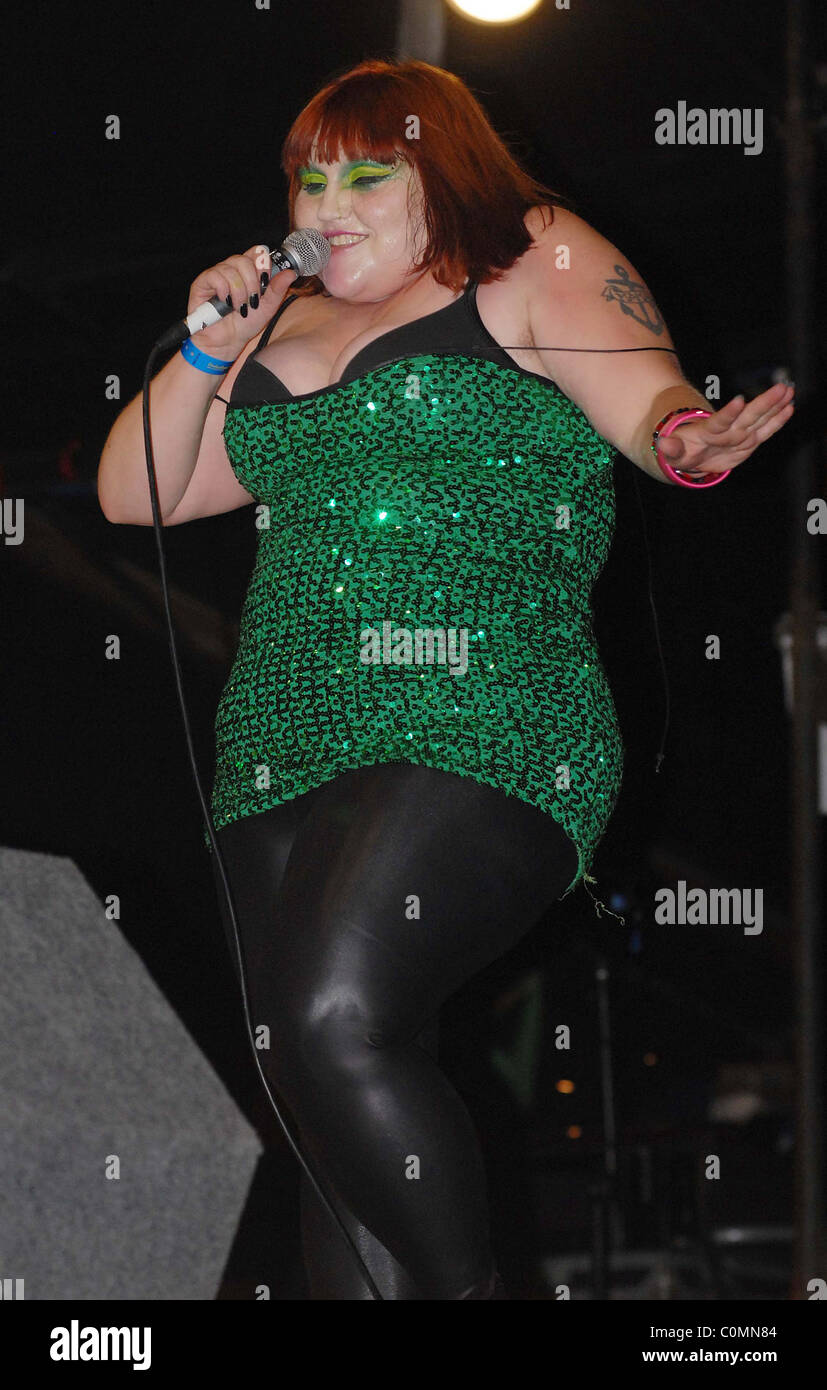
pixel 306 251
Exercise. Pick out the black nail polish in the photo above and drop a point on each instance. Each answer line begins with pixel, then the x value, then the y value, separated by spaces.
pixel 243 310
pixel 229 300
pixel 265 279
pixel 253 301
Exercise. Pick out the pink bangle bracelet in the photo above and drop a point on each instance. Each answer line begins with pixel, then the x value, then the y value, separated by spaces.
pixel 670 422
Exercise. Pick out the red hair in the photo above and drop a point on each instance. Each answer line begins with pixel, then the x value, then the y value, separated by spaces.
pixel 476 194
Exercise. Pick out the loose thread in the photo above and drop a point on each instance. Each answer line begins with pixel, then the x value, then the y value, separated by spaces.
pixel 589 878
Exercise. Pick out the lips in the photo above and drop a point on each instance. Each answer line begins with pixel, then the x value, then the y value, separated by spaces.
pixel 343 246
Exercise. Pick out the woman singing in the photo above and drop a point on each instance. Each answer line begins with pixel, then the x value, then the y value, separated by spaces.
pixel 417 749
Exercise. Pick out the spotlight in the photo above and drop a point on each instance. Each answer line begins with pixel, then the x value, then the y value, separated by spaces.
pixel 494 11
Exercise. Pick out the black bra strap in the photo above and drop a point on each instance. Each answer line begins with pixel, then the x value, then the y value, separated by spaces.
pixel 265 337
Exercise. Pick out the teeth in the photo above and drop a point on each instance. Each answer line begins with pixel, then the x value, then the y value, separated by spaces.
pixel 342 240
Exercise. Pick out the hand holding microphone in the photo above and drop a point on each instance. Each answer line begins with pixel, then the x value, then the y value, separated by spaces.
pixel 238 282
pixel 253 284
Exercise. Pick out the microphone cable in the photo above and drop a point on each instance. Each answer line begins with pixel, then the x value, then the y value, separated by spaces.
pixel 157 524
pixel 158 349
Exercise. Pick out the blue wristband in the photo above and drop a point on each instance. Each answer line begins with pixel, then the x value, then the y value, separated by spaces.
pixel 202 361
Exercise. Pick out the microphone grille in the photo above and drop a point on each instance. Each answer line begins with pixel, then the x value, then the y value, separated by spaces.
pixel 309 249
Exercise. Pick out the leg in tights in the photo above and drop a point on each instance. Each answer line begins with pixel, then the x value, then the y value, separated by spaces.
pixel 377 897
pixel 256 851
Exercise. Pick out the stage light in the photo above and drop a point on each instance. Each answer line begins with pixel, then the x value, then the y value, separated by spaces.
pixel 494 11
pixel 574 1132
pixel 565 1087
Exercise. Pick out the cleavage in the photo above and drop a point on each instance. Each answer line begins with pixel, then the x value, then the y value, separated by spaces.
pixel 305 363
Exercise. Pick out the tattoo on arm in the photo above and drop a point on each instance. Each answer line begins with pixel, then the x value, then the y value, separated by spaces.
pixel 634 299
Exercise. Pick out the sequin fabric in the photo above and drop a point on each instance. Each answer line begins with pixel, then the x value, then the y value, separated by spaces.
pixel 435 493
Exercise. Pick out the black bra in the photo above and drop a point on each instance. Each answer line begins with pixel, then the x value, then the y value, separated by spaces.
pixel 455 328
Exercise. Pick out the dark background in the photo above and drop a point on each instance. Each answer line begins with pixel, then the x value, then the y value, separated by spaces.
pixel 104 239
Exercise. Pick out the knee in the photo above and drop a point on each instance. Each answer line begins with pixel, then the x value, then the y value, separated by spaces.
pixel 323 1035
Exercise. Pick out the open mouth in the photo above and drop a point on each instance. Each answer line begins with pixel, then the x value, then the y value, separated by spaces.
pixel 342 242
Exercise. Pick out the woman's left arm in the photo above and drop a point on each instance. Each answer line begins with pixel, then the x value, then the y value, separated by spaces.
pixel 581 292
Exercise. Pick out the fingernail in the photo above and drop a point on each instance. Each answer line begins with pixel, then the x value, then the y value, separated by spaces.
pixel 243 310
pixel 229 300
pixel 265 279
pixel 253 301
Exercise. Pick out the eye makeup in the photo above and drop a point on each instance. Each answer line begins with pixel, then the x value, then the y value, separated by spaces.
pixel 361 173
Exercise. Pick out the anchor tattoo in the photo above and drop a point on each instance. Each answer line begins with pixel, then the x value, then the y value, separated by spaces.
pixel 631 295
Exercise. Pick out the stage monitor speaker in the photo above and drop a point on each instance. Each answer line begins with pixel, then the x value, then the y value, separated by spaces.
pixel 125 1162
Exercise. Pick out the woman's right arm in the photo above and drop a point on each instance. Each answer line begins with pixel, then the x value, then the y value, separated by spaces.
pixel 193 474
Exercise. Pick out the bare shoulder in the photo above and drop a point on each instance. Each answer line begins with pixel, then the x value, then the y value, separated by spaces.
pixel 562 240
pixel 588 282
pixel 568 262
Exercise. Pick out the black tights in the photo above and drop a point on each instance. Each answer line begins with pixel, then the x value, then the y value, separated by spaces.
pixel 363 905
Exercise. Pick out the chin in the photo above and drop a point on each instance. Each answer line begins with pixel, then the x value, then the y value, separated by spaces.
pixel 346 286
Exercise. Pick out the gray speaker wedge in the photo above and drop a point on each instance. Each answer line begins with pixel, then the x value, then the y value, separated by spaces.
pixel 125 1162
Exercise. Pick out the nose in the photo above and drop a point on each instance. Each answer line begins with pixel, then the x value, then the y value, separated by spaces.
pixel 334 203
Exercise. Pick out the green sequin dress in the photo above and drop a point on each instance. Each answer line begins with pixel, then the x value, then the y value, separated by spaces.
pixel 443 491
